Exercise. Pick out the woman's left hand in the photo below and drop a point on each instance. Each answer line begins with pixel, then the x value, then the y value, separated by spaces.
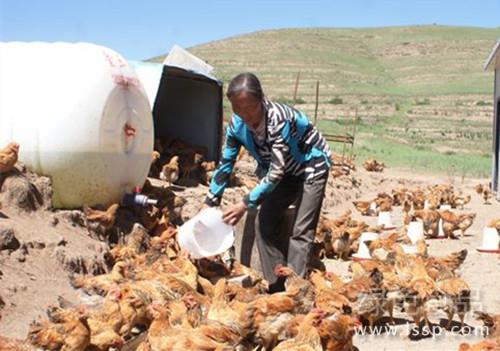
pixel 234 213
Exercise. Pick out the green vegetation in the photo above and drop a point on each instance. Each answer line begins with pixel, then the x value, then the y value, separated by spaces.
pixel 336 101
pixel 419 94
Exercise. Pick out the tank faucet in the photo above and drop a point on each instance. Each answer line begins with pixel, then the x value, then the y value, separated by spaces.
pixel 136 199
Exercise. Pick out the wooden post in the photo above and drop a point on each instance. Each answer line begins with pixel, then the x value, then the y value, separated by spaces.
pixel 354 131
pixel 343 144
pixel 317 102
pixel 296 87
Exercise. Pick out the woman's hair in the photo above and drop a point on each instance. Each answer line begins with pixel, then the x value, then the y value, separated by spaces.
pixel 245 82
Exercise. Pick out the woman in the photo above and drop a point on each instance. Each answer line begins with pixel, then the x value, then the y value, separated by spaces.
pixel 293 165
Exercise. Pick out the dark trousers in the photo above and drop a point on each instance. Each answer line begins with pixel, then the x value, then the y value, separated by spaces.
pixel 289 249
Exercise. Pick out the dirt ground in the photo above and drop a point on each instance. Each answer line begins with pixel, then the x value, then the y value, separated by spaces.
pixel 40 247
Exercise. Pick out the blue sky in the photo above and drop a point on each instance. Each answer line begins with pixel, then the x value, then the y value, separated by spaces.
pixel 142 29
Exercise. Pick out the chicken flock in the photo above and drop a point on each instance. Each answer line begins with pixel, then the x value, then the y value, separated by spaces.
pixel 155 297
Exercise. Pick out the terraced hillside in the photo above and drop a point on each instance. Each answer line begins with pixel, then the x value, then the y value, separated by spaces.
pixel 419 94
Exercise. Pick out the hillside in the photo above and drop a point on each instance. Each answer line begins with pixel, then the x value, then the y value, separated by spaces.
pixel 420 94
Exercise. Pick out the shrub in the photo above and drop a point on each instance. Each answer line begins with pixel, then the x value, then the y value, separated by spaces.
pixel 425 101
pixel 482 103
pixel 336 101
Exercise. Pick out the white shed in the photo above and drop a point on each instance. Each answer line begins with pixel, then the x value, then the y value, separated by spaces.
pixel 493 64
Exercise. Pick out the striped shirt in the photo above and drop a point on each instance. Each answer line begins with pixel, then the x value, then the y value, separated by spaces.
pixel 292 147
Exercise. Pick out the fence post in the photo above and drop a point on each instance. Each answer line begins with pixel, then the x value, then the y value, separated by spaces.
pixel 317 102
pixel 296 87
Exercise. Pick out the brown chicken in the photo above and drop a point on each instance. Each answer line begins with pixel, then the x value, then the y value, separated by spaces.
pixel 307 338
pixel 106 322
pixel 433 201
pixel 398 195
pixel 68 331
pixel 104 218
pixel 272 314
pixel 101 284
pixel 356 286
pixel 483 345
pixel 162 335
pixel 449 262
pixel 386 242
pixel 452 222
pixel 8 157
pixel 430 219
pixel 485 191
pixel 336 332
pixel 252 277
pixel 136 243
pixel 154 169
pixel 9 344
pixel 372 303
pixel 417 292
pixel 494 223
pixel 188 162
pixel 170 171
pixel 150 217
pixel 133 308
pixel 456 294
pixel 418 199
pixel 421 247
pixel 341 246
pixel 296 284
pixel 326 298
pixel 491 321
pixel 207 170
pixel 159 328
pixel 221 311
pixel 406 209
pixel 460 201
pixel 343 219
pixel 372 165
pixel 366 208
pixel 385 204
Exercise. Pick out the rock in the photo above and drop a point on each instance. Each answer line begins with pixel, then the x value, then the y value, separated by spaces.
pixel 18 191
pixel 8 240
pixel 54 221
pixel 37 244
pixel 74 217
pixel 21 253
pixel 44 186
pixel 76 263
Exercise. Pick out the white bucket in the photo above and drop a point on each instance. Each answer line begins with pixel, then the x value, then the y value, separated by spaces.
pixel 490 241
pixel 415 231
pixel 440 230
pixel 363 251
pixel 205 234
pixel 384 219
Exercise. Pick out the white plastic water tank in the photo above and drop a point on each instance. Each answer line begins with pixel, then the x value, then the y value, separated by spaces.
pixel 80 115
